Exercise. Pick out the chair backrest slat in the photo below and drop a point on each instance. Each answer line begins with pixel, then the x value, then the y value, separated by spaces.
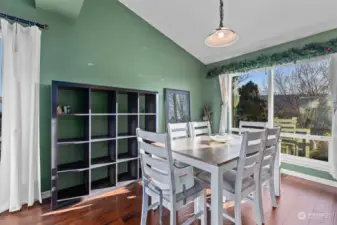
pixel 177 130
pixel 159 179
pixel 251 159
pixel 267 161
pixel 269 151
pixel 201 131
pixel 253 147
pixel 161 138
pixel 156 163
pixel 200 128
pixel 272 140
pixel 179 134
pixel 254 136
pixel 153 150
pixel 251 126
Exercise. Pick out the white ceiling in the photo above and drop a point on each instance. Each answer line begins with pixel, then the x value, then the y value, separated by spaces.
pixel 259 23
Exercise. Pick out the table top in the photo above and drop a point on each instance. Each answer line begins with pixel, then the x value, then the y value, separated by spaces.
pixel 204 149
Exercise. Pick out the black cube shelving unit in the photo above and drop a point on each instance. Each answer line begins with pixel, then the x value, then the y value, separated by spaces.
pixel 94 148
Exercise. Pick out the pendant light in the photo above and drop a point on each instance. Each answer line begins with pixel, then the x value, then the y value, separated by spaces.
pixel 222 36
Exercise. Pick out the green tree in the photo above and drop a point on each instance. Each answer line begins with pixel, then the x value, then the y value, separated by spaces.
pixel 251 106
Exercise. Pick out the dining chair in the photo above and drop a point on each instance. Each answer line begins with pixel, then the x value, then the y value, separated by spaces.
pixel 251 126
pixel 268 161
pixel 200 128
pixel 240 183
pixel 159 180
pixel 177 130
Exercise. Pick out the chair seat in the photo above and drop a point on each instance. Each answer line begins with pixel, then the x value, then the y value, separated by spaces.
pixel 229 180
pixel 190 194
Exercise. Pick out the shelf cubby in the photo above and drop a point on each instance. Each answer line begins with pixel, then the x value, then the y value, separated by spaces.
pixel 73 130
pixel 103 153
pixel 127 170
pixel 103 128
pixel 127 125
pixel 103 102
pixel 73 158
pixel 148 122
pixel 95 146
pixel 127 103
pixel 103 177
pixel 76 97
pixel 72 185
pixel 127 149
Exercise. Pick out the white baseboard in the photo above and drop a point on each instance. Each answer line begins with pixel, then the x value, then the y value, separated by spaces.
pixel 46 194
pixel 309 177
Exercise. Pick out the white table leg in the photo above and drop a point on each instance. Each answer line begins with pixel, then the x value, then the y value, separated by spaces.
pixel 216 204
pixel 277 171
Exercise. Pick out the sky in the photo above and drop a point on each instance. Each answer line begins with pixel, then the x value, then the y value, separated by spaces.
pixel 261 78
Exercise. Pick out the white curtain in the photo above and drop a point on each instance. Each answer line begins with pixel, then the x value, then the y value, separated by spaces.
pixel 333 144
pixel 20 158
pixel 224 82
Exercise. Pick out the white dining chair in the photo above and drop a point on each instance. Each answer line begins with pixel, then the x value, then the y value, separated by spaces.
pixel 240 183
pixel 251 126
pixel 177 130
pixel 268 161
pixel 200 128
pixel 159 180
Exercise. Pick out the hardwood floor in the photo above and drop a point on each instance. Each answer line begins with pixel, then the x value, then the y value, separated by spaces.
pixel 302 203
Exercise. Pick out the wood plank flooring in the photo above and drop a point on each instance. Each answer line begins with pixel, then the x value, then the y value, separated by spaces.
pixel 302 203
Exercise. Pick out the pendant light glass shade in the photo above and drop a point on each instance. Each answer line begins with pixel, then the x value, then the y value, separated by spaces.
pixel 221 37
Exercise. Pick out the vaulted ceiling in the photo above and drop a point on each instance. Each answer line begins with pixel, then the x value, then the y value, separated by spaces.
pixel 259 23
pixel 68 8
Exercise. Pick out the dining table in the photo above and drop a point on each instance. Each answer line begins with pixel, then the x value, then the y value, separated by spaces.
pixel 204 153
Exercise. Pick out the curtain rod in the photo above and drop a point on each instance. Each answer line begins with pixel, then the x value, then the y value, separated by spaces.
pixel 19 20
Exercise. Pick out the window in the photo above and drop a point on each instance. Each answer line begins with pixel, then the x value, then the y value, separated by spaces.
pixel 302 105
pixel 250 97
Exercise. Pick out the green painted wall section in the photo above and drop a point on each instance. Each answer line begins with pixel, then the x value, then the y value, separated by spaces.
pixel 67 8
pixel 125 50
pixel 307 171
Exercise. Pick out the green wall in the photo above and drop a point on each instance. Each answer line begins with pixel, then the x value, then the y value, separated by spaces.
pixel 212 93
pixel 125 51
pixel 307 171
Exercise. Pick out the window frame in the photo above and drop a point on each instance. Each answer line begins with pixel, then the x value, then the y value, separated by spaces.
pixel 291 159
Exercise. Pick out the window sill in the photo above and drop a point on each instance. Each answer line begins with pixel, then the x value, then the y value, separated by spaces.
pixel 305 162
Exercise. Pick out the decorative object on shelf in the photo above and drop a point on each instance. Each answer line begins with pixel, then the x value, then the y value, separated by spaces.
pixel 222 36
pixel 59 110
pixel 207 114
pixel 177 106
pixel 66 109
pixel 291 55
